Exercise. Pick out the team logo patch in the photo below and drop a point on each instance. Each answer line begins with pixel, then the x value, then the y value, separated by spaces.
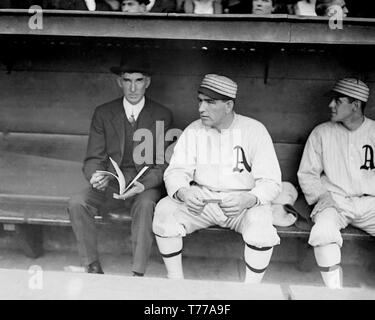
pixel 369 158
pixel 243 161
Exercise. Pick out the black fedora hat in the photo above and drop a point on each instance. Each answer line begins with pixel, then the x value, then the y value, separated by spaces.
pixel 131 66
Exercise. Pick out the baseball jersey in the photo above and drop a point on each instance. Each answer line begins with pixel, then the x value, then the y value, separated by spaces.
pixel 240 158
pixel 338 160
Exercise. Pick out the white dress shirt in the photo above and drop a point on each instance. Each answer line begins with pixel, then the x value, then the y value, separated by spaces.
pixel 133 109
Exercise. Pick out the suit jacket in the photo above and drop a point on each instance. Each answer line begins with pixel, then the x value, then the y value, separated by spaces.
pixel 107 139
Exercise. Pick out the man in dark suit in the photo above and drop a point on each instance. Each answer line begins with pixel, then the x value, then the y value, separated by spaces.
pixel 115 130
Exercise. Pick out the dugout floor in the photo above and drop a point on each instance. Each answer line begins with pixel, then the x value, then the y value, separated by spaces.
pixel 195 268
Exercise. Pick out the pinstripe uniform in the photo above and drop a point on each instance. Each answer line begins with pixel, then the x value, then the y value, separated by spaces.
pixel 205 156
pixel 341 162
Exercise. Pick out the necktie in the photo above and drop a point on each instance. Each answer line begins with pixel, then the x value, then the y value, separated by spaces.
pixel 132 120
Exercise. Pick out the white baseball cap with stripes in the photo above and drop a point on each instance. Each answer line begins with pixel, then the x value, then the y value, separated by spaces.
pixel 354 88
pixel 218 87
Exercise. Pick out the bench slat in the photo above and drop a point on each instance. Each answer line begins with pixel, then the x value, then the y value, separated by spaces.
pixel 41 171
pixel 52 211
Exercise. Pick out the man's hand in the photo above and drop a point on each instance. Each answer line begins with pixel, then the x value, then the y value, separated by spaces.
pixel 135 189
pixel 326 201
pixel 233 205
pixel 192 198
pixel 99 181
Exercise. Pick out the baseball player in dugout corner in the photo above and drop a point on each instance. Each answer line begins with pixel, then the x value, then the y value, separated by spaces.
pixel 337 174
pixel 224 171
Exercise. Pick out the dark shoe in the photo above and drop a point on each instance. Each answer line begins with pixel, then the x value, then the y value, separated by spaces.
pixel 95 267
pixel 137 274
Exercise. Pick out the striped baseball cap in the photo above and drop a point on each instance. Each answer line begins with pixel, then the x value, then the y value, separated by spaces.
pixel 354 88
pixel 218 87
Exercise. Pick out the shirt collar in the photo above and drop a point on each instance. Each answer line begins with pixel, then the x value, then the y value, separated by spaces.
pixel 235 118
pixel 133 109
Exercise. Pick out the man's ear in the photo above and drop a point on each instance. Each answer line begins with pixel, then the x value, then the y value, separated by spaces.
pixel 357 105
pixel 230 105
pixel 119 82
pixel 148 81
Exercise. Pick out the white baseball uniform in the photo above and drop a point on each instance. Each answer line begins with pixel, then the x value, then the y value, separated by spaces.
pixel 238 159
pixel 341 162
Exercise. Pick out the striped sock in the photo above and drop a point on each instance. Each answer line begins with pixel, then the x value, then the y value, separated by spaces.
pixel 328 258
pixel 171 251
pixel 257 261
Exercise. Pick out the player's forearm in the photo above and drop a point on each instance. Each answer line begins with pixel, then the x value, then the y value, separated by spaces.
pixel 312 187
pixel 173 183
pixel 266 190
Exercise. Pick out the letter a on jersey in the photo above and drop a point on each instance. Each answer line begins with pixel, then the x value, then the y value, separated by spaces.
pixel 369 158
pixel 244 161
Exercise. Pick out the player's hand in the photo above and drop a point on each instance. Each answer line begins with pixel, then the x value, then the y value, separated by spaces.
pixel 192 199
pixel 135 189
pixel 99 181
pixel 325 201
pixel 234 204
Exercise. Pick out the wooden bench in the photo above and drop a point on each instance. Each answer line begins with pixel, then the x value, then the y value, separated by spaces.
pixel 40 172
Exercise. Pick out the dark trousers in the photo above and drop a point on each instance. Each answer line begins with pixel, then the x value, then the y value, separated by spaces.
pixel 90 202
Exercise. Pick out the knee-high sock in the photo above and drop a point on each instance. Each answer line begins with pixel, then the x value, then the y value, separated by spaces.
pixel 171 251
pixel 257 260
pixel 328 258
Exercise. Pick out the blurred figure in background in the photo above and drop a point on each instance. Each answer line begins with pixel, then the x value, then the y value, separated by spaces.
pixel 305 8
pixel 259 7
pixel 201 6
pixel 134 6
pixel 330 7
pixel 263 6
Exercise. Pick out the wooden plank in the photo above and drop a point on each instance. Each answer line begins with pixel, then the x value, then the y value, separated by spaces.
pixel 69 112
pixel 50 165
pixel 290 103
pixel 289 156
pixel 293 107
pixel 36 175
pixel 275 28
pixel 44 210
pixel 354 32
pixel 52 211
pixel 168 26
pixel 55 146
pixel 37 186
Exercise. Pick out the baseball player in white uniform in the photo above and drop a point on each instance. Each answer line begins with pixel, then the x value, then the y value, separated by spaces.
pixel 223 171
pixel 337 174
